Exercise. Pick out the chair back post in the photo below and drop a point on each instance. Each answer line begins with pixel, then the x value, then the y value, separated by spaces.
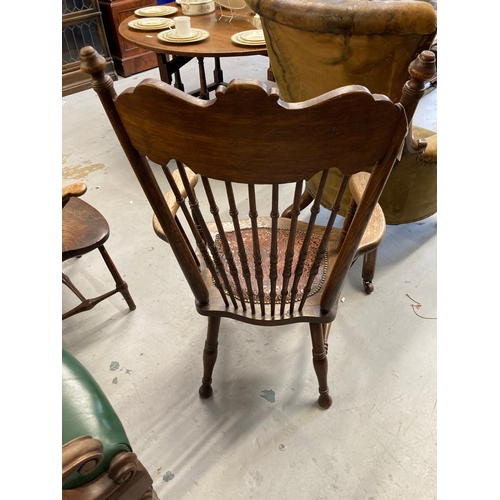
pixel 422 69
pixel 361 219
pixel 92 63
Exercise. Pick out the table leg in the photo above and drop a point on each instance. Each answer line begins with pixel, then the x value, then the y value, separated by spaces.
pixel 177 78
pixel 218 76
pixel 169 65
pixel 163 68
pixel 203 79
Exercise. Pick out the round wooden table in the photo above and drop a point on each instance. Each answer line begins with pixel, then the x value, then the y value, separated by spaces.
pixel 172 56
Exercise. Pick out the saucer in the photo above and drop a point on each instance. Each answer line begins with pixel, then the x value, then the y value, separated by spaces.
pixel 249 37
pixel 156 10
pixel 172 37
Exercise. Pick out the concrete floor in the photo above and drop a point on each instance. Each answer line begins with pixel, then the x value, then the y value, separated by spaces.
pixel 377 441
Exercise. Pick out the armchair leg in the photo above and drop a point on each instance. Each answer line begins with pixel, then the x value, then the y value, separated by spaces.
pixel 368 272
pixel 209 356
pixel 320 363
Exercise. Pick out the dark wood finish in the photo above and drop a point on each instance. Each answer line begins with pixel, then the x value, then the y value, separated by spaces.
pixel 125 479
pixel 84 229
pixel 172 57
pixel 263 270
pixel 128 58
pixel 81 22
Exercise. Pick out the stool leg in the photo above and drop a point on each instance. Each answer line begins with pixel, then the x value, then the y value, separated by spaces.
pixel 121 285
pixel 72 287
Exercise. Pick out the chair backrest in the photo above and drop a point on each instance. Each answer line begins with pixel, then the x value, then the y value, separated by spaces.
pixel 251 141
pixel 318 46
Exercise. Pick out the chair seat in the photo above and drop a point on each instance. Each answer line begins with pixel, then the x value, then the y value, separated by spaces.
pixel 373 236
pixel 265 243
pixel 86 411
pixel 84 229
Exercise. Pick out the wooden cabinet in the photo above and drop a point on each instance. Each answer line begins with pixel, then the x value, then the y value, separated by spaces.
pixel 128 59
pixel 81 26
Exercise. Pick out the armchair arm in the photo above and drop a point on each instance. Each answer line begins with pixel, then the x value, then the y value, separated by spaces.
pixel 429 154
pixel 82 455
pixel 171 200
pixel 375 230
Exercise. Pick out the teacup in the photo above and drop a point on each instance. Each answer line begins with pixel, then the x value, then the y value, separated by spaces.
pixel 183 26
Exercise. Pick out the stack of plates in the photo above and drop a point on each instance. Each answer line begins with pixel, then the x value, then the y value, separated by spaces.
pixel 232 4
pixel 171 36
pixel 250 37
pixel 151 23
pixel 156 10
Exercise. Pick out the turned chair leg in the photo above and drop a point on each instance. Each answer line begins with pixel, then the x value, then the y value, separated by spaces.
pixel 209 356
pixel 368 272
pixel 320 363
pixel 121 285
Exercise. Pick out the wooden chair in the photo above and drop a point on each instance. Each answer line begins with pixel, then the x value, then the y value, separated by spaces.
pixel 257 150
pixel 84 229
pixel 317 47
pixel 97 459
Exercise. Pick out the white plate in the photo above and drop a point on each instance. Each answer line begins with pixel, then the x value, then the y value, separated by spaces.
pixel 253 36
pixel 171 36
pixel 151 23
pixel 156 10
pixel 232 4
pixel 250 38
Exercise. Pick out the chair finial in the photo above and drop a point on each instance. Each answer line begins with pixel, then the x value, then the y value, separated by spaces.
pixel 93 63
pixel 421 69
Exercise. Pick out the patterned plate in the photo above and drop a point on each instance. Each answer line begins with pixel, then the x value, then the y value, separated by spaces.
pixel 156 10
pixel 171 36
pixel 250 37
pixel 151 23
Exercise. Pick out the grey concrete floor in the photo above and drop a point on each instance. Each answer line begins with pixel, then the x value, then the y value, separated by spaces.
pixel 378 439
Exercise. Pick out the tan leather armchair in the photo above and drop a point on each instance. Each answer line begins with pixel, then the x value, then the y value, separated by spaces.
pixel 317 46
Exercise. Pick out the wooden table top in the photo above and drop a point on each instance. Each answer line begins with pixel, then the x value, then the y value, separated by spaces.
pixel 218 44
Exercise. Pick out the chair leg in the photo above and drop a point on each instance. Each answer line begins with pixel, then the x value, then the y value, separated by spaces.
pixel 368 272
pixel 121 285
pixel 320 363
pixel 209 356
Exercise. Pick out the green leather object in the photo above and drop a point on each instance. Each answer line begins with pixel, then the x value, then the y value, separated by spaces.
pixel 87 412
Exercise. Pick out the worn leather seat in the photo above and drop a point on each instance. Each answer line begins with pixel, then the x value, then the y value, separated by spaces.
pixel 86 411
pixel 98 461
